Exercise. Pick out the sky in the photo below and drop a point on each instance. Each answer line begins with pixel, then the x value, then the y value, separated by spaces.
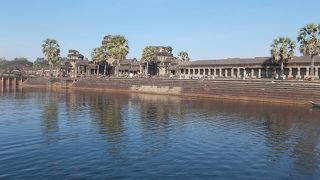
pixel 206 29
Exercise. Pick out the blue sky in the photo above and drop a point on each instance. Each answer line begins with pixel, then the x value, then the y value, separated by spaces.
pixel 207 29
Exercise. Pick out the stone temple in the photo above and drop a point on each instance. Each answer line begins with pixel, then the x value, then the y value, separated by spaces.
pixel 166 65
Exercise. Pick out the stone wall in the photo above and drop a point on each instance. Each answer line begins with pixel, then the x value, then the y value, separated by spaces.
pixel 293 92
pixel 48 82
pixel 257 90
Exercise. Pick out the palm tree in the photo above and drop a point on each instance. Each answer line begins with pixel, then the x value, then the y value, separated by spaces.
pixel 148 55
pixel 118 49
pixel 282 50
pixel 310 43
pixel 51 50
pixel 98 55
pixel 184 56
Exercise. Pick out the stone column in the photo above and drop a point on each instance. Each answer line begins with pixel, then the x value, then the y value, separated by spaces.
pixel 316 73
pixel 209 72
pixel 238 73
pixel 204 71
pixel 220 72
pixel 307 71
pixel 290 72
pixel 244 72
pixel 267 72
pixel 225 72
pixel 8 82
pixel 15 81
pixel 214 72
pixel 298 73
pixel 252 72
pixel 232 73
pixel 259 73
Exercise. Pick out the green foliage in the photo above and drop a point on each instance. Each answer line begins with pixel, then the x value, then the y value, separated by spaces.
pixel 310 42
pixel 184 56
pixel 117 48
pixel 3 63
pixel 15 64
pixel 98 55
pixel 282 49
pixel 51 50
pixel 40 62
pixel 149 54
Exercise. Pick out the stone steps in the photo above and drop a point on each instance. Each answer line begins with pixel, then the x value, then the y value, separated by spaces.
pixel 294 91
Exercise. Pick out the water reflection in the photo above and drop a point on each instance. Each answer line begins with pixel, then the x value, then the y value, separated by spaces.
pixel 156 129
pixel 50 117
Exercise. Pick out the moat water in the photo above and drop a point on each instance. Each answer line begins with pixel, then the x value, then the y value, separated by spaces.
pixel 73 135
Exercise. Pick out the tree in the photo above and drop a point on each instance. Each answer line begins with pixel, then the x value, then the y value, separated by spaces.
pixel 51 50
pixel 282 50
pixel 98 55
pixel 184 56
pixel 310 43
pixel 40 62
pixel 16 64
pixel 22 61
pixel 3 63
pixel 19 63
pixel 118 49
pixel 148 55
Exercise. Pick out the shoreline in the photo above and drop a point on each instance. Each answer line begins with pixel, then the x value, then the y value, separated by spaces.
pixel 297 93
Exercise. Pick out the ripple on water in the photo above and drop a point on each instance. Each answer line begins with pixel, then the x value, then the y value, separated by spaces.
pixel 102 135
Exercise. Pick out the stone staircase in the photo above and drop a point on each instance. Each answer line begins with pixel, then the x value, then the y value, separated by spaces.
pixel 258 90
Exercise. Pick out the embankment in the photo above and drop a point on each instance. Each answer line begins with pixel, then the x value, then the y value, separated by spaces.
pixel 293 92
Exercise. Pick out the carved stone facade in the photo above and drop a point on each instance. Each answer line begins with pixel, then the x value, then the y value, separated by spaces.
pixel 79 65
pixel 167 65
pixel 164 59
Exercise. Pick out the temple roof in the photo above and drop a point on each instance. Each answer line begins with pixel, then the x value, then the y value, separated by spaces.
pixel 128 61
pixel 82 63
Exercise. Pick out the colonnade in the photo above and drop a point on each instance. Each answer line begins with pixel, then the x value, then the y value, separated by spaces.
pixel 10 81
pixel 297 72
